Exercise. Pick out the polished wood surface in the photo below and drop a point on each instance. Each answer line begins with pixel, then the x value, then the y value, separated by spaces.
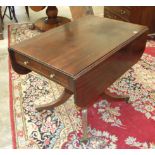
pixel 109 70
pixel 43 24
pixel 86 56
pixel 143 15
pixel 79 44
pixel 45 70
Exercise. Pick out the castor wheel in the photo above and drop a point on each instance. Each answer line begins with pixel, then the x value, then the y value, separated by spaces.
pixel 84 140
pixel 127 100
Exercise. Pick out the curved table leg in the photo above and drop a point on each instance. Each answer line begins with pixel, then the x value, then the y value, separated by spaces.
pixel 63 98
pixel 108 95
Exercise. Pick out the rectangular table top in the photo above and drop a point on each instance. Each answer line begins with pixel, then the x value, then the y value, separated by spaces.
pixel 76 46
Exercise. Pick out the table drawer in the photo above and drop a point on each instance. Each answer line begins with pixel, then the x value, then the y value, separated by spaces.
pixel 111 15
pixel 123 12
pixel 44 70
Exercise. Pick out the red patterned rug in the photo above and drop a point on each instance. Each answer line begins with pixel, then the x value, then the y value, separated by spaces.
pixel 111 124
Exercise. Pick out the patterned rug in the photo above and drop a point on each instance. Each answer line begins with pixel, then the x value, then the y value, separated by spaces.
pixel 111 124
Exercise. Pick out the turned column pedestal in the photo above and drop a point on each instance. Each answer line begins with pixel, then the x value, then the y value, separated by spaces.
pixel 52 20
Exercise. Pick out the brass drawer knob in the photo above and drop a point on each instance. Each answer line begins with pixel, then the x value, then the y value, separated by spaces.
pixel 135 32
pixel 52 76
pixel 123 12
pixel 26 62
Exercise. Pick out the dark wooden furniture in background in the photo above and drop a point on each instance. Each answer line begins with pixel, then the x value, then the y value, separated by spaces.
pixel 144 15
pixel 1 24
pixel 51 21
pixel 85 56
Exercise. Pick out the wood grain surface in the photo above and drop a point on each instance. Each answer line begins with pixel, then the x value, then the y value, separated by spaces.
pixel 85 56
pixel 73 47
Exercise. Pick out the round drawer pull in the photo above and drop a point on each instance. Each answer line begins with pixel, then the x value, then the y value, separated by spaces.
pixel 135 32
pixel 52 76
pixel 123 12
pixel 26 62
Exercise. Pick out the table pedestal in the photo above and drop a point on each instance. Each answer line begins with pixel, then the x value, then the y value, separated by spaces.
pixel 66 95
pixel 51 21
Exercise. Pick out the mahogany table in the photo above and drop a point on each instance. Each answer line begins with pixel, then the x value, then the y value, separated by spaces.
pixel 85 56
